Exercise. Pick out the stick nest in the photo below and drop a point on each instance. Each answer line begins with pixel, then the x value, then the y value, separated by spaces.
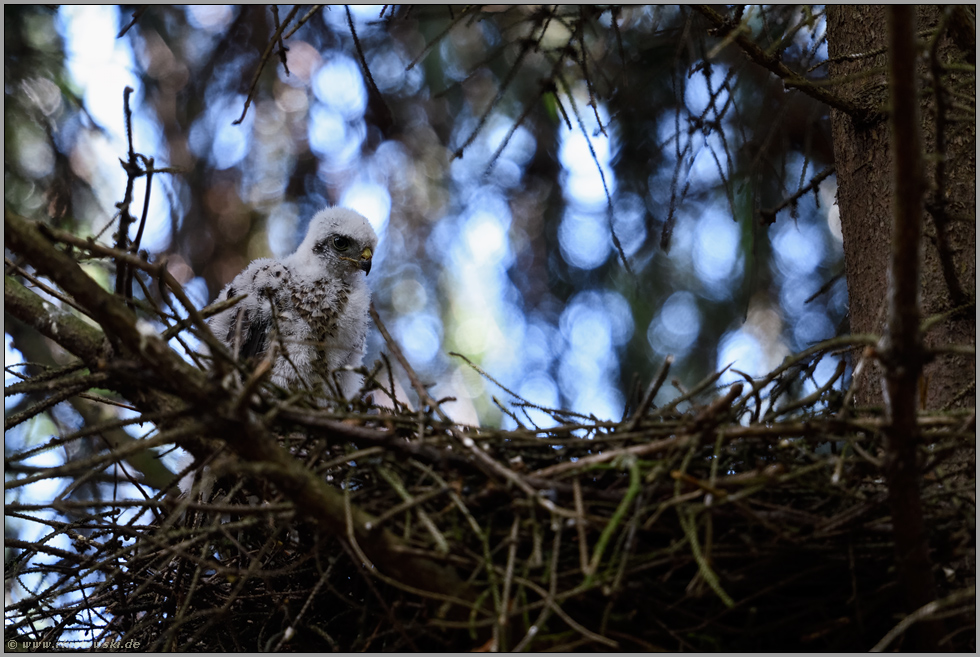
pixel 734 518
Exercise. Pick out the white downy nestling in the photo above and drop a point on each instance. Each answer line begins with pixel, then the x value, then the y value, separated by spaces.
pixel 310 307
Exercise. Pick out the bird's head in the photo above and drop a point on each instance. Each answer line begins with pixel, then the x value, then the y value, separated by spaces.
pixel 339 241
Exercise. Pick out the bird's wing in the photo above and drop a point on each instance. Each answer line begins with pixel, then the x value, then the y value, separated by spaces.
pixel 248 324
pixel 255 327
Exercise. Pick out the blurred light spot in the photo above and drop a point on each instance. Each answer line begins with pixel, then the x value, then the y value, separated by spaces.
pixel 281 229
pixel 36 158
pixel 11 358
pixel 388 69
pixel 794 292
pixel 467 382
pixel 291 100
pixel 231 142
pixel 471 336
pixel 697 95
pixel 540 390
pixel 586 327
pixel 520 147
pixel 539 341
pixel 742 351
pixel 825 369
pixel 629 222
pixel 486 238
pixel 603 402
pixel 408 296
pixel 333 138
pixel 304 60
pixel 44 93
pixel 715 253
pixel 371 200
pixel 584 239
pixel 339 85
pixel 799 248
pixel 418 334
pixel 677 325
pixel 828 201
pixel 212 18
pixel 810 328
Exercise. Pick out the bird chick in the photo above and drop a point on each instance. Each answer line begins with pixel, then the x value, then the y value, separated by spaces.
pixel 308 312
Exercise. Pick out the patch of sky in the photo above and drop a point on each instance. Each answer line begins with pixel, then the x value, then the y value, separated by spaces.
pixel 716 254
pixel 677 325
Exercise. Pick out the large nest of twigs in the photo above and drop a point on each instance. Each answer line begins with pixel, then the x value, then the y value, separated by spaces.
pixel 733 518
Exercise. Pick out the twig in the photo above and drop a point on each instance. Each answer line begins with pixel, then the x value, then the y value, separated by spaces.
pixel 651 393
pixel 485 462
pixel 263 60
pixel 136 16
pixel 774 64
pixel 282 47
pixel 769 216
pixel 125 219
pixel 384 117
pixel 303 20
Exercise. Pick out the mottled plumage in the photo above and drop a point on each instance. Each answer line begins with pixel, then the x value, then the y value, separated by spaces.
pixel 311 307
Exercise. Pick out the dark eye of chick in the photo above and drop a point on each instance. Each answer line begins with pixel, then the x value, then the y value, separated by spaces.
pixel 341 243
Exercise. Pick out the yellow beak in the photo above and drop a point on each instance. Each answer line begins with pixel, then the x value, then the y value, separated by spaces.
pixel 365 263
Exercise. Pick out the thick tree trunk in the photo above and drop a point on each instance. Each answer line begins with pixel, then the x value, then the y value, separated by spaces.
pixel 870 194
pixel 864 178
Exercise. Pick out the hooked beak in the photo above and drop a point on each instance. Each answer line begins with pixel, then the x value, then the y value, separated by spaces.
pixel 365 263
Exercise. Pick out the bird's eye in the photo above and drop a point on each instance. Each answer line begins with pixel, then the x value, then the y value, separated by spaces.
pixel 341 243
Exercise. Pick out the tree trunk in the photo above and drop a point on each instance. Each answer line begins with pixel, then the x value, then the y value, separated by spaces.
pixel 864 178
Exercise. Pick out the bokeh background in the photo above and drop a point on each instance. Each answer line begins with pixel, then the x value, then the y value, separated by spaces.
pixel 504 154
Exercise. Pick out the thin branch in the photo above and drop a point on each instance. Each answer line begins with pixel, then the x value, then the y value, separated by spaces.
pixel 769 216
pixel 136 16
pixel 773 63
pixel 902 352
pixel 263 60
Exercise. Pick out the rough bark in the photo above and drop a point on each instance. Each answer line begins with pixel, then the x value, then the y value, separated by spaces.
pixel 865 192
